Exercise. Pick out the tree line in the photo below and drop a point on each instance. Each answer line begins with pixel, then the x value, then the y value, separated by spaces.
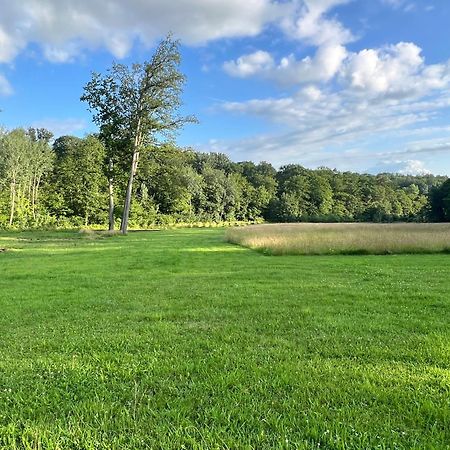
pixel 65 182
pixel 73 181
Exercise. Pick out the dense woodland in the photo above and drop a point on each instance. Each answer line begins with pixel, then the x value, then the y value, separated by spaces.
pixel 64 182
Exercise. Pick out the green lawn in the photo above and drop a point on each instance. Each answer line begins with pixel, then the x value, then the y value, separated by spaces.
pixel 179 340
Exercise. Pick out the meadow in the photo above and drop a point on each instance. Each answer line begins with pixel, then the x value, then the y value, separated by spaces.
pixel 181 340
pixel 344 238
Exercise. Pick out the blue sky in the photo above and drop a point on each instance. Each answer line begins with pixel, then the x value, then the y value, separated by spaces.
pixel 360 85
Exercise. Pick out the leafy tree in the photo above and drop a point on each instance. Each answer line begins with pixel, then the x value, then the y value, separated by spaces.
pixel 213 160
pixel 137 105
pixel 440 203
pixel 80 179
pixel 15 152
pixel 263 187
pixel 40 134
pixel 67 185
pixel 23 163
pixel 172 181
pixel 321 196
pixel 41 161
pixel 217 198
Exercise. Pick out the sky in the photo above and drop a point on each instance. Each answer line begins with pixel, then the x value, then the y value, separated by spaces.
pixel 359 85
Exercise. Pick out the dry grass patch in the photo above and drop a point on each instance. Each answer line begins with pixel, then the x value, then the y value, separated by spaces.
pixel 343 238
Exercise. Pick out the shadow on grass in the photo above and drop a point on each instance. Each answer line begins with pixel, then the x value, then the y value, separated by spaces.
pixel 351 252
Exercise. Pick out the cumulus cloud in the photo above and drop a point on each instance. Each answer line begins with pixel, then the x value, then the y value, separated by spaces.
pixel 388 92
pixel 349 99
pixel 397 70
pixel 9 46
pixel 413 167
pixel 382 82
pixel 64 28
pixel 250 64
pixel 322 67
pixel 402 167
pixel 312 25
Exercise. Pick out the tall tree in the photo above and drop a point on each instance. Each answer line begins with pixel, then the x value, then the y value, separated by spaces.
pixel 41 161
pixel 440 202
pixel 80 179
pixel 138 105
pixel 15 150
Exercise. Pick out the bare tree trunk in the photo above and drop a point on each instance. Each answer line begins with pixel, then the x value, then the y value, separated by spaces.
pixel 13 201
pixel 111 195
pixel 127 205
pixel 133 170
pixel 36 193
pixel 33 197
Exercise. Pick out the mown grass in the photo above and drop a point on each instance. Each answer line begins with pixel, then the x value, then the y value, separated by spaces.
pixel 343 238
pixel 177 339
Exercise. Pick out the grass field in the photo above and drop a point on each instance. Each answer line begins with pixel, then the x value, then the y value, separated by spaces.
pixel 179 340
pixel 344 238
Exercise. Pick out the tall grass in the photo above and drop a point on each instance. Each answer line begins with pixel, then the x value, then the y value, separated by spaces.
pixel 346 238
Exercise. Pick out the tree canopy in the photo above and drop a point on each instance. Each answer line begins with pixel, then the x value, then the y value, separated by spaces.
pixel 136 106
pixel 66 184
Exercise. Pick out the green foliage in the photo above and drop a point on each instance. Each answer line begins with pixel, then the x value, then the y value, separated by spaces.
pixel 80 182
pixel 25 159
pixel 67 185
pixel 440 202
pixel 134 106
pixel 171 340
pixel 171 181
pixel 326 195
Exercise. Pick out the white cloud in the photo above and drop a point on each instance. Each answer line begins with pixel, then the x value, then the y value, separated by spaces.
pixel 60 54
pixel 64 28
pixel 61 127
pixel 413 167
pixel 397 70
pixel 5 86
pixel 352 154
pixel 9 46
pixel 388 92
pixel 402 167
pixel 250 64
pixel 319 119
pixel 376 92
pixel 311 25
pixel 289 71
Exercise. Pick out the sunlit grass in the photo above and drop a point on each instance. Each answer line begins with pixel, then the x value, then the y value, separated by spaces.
pixel 180 340
pixel 348 238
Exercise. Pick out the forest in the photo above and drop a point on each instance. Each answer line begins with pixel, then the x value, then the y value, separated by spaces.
pixel 63 183
pixel 133 169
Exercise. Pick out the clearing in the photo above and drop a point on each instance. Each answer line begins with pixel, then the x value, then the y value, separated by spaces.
pixel 177 339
